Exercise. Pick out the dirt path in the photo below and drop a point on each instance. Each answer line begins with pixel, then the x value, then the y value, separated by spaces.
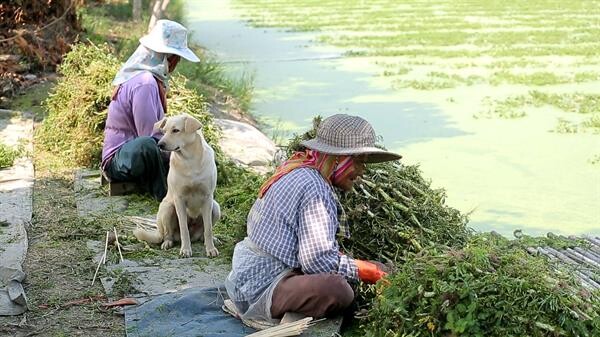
pixel 58 266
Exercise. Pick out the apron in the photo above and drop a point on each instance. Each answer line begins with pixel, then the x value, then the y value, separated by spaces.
pixel 249 254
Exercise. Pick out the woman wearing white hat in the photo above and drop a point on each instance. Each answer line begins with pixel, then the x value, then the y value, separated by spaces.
pixel 130 151
pixel 290 259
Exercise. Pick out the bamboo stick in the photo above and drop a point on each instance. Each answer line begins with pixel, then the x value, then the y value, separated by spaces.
pixel 593 247
pixel 533 251
pixel 102 259
pixel 583 259
pixel 589 253
pixel 585 280
pixel 583 274
pixel 118 244
pixel 559 255
pixel 286 329
pixel 594 240
pixel 569 260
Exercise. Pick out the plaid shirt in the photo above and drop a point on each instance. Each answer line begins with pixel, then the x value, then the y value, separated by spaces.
pixel 296 223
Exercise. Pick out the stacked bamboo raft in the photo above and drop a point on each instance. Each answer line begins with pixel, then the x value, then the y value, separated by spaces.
pixel 585 260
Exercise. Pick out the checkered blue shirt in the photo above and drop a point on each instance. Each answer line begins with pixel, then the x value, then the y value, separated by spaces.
pixel 295 223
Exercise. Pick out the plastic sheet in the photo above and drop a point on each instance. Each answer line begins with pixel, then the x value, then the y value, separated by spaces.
pixel 190 312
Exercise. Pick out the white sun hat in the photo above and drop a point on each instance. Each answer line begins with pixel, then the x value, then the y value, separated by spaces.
pixel 169 37
pixel 343 134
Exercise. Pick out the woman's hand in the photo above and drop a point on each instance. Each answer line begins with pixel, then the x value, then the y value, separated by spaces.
pixel 370 271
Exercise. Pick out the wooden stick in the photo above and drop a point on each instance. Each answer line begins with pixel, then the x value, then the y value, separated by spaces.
pixel 593 240
pixel 583 260
pixel 585 279
pixel 585 276
pixel 121 302
pixel 586 256
pixel 286 329
pixel 105 247
pixel 143 223
pixel 102 259
pixel 118 244
pixel 561 256
pixel 589 254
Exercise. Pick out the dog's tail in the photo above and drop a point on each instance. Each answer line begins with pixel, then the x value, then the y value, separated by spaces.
pixel 148 236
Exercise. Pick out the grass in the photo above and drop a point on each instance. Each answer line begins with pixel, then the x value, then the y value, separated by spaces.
pixel 593 123
pixel 578 102
pixel 8 155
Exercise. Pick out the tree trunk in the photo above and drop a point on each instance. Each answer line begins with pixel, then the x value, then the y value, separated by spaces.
pixel 158 10
pixel 137 10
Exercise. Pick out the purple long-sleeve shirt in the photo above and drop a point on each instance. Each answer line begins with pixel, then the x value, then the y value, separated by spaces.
pixel 132 114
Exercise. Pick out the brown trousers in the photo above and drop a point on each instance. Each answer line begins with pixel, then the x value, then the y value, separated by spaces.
pixel 315 295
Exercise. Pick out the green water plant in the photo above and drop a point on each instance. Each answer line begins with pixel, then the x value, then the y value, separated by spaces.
pixel 487 288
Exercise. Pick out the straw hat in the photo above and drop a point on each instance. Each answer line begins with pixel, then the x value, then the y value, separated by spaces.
pixel 348 135
pixel 169 37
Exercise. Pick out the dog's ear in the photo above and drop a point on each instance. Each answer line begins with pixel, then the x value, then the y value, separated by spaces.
pixel 160 124
pixel 192 124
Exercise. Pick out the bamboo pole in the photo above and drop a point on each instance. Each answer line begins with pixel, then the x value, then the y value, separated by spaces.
pixel 286 329
pixel 593 246
pixel 584 274
pixel 589 254
pixel 559 255
pixel 117 243
pixel 595 254
pixel 102 259
pixel 594 240
pixel 582 258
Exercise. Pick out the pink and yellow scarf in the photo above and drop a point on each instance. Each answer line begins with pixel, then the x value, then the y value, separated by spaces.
pixel 333 168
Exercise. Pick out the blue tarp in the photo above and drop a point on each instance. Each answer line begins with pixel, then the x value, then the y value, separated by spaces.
pixel 190 312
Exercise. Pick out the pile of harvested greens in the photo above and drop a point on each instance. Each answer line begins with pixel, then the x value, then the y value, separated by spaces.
pixel 491 287
pixel 78 105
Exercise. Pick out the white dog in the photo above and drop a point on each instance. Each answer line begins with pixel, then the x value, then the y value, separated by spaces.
pixel 189 209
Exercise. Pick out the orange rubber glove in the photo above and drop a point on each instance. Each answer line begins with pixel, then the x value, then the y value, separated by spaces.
pixel 369 272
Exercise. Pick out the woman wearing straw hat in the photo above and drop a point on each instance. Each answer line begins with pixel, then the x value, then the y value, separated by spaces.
pixel 290 259
pixel 130 151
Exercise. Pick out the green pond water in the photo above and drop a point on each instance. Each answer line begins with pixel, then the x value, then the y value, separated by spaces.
pixel 507 173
